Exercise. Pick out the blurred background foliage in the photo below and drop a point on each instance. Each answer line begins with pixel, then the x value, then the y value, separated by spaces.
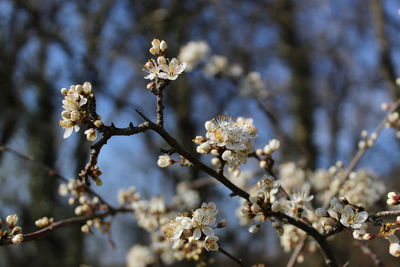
pixel 327 64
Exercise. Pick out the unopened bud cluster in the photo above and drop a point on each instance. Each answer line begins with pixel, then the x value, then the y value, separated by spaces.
pixel 260 204
pixel 266 153
pixel 44 222
pixel 86 204
pixel 367 140
pixel 74 104
pixel 12 233
pixel 393 121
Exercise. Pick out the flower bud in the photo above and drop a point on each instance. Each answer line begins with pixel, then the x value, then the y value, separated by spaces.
pixel 64 91
pixel 85 228
pixel 17 239
pixel 12 220
pixel 91 134
pixel 42 222
pixel 163 46
pixel 164 161
pixel 16 230
pixel 87 87
pixel 254 228
pixel 222 224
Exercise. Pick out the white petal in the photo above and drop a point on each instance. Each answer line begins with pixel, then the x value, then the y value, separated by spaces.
pixel 361 216
pixel 68 132
pixel 343 220
pixel 163 75
pixel 208 231
pixel 197 233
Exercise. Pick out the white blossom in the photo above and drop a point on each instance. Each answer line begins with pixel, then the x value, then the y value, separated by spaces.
pixel 192 53
pixel 172 70
pixel 210 243
pixel 352 219
pixel 74 99
pixel 234 136
pixel 139 256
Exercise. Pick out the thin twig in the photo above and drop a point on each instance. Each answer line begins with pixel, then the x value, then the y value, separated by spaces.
pixel 368 251
pixel 63 223
pixel 51 172
pixel 238 261
pixel 358 156
pixel 296 253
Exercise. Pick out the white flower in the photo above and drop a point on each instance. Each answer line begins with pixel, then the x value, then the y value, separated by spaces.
pixel 152 68
pixel 301 197
pixel 235 136
pixel 253 85
pixel 350 218
pixel 192 53
pixel 139 256
pixel 394 249
pixel 202 218
pixel 164 161
pixel 210 243
pixel 172 70
pixel 176 227
pixel 216 65
pixel 74 99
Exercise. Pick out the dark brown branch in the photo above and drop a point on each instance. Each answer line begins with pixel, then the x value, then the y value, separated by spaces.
pixel 238 261
pixel 160 107
pixel 236 191
pixel 108 132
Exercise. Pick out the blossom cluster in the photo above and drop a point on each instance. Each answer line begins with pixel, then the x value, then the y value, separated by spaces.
pixel 229 139
pixel 13 233
pixel 347 214
pixel 192 232
pixel 162 67
pixel 75 100
pixel 86 204
pixel 192 53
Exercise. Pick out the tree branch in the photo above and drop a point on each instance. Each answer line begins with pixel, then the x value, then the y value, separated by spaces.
pixel 63 223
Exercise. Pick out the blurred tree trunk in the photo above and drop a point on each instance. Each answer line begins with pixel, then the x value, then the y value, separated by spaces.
pixel 297 56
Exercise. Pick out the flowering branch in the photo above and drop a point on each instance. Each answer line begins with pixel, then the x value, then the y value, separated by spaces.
pixel 64 223
pixel 360 153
